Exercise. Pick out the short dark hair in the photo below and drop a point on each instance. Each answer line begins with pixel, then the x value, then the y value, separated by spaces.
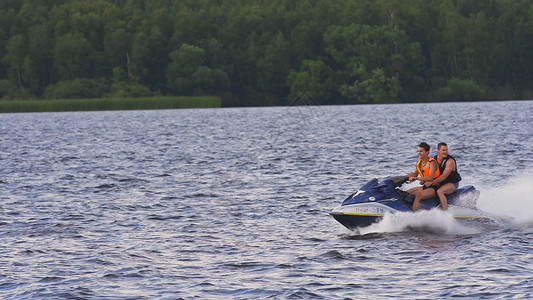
pixel 424 145
pixel 441 144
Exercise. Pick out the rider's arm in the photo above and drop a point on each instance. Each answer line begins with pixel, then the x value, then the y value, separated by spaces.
pixel 450 166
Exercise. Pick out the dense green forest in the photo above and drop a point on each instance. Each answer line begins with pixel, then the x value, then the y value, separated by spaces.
pixel 268 52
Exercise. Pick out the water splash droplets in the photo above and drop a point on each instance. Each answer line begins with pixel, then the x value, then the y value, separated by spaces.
pixel 431 221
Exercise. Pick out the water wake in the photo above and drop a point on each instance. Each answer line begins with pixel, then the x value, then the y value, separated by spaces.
pixel 432 221
pixel 514 198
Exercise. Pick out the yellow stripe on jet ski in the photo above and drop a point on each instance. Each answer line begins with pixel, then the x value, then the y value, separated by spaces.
pixel 482 217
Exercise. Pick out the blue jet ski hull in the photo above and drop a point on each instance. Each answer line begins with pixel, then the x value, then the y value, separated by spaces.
pixel 356 221
pixel 376 198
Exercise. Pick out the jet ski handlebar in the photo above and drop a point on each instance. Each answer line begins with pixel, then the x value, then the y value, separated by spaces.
pixel 397 181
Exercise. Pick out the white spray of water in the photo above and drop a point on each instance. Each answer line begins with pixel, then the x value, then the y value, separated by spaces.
pixel 514 198
pixel 434 221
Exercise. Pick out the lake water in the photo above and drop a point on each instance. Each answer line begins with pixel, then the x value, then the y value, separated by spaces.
pixel 233 203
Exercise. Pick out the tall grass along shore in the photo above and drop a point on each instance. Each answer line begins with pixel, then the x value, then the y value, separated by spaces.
pixel 15 106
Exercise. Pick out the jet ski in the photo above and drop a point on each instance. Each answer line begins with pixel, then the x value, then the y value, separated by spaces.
pixel 376 198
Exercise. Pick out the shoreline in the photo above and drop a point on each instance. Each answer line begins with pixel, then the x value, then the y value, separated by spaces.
pixel 103 104
pixel 169 102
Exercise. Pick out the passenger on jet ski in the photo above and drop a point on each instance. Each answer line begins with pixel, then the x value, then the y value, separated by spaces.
pixel 428 170
pixel 448 181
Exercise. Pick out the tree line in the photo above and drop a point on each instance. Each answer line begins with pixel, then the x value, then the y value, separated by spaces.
pixel 268 52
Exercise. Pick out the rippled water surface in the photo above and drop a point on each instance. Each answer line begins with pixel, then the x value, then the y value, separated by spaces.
pixel 233 203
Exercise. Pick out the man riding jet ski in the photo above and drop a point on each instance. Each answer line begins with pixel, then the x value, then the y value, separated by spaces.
pixel 438 175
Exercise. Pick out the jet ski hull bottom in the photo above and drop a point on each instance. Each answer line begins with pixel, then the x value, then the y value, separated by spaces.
pixel 360 215
pixel 356 221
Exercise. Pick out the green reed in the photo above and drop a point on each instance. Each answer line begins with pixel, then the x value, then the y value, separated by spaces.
pixel 12 106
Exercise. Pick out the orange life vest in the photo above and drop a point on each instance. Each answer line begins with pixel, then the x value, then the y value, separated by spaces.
pixel 424 170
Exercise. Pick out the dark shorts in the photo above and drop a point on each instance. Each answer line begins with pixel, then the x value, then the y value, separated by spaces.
pixel 437 186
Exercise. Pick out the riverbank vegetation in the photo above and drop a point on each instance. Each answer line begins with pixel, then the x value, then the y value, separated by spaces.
pixel 141 103
pixel 267 52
